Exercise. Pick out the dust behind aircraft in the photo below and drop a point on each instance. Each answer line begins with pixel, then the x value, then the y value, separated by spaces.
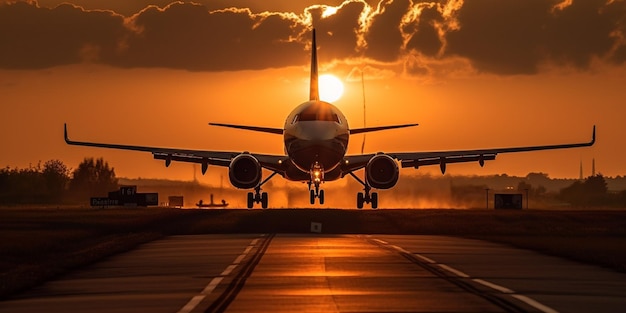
pixel 316 136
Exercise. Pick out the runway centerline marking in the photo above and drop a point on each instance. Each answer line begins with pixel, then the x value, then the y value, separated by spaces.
pixel 532 302
pixel 195 300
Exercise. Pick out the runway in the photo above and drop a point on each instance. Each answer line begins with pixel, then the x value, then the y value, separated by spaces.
pixel 328 273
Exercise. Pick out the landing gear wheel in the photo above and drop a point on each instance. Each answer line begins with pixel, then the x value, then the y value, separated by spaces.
pixel 264 200
pixel 360 199
pixel 374 200
pixel 312 198
pixel 250 200
pixel 321 196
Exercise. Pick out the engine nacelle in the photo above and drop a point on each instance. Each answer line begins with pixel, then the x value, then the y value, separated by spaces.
pixel 381 172
pixel 244 171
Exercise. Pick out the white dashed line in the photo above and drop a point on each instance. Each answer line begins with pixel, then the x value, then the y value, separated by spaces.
pixel 493 286
pixel 214 282
pixel 425 259
pixel 454 271
pixel 248 249
pixel 193 303
pixel 229 269
pixel 401 249
pixel 535 304
pixel 239 259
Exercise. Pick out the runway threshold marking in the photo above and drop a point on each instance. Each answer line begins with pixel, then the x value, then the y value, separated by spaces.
pixel 428 263
pixel 195 300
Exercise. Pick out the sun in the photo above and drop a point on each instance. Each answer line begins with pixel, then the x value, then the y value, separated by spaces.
pixel 331 88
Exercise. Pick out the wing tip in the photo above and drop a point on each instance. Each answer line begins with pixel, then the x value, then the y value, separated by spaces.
pixel 67 139
pixel 593 135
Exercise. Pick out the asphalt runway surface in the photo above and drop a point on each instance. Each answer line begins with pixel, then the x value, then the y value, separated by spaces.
pixel 328 273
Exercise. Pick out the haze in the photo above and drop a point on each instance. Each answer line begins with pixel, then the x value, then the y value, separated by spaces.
pixel 475 74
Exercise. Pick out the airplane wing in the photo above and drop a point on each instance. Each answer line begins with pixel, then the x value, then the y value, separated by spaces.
pixel 219 158
pixel 417 159
pixel 278 131
pixel 355 131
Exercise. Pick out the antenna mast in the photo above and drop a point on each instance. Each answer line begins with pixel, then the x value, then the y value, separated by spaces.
pixel 364 121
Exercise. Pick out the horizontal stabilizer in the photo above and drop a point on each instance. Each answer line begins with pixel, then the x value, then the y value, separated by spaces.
pixel 270 130
pixel 373 129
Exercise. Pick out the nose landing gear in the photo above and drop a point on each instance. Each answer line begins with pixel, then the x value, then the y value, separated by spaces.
pixel 317 177
pixel 317 193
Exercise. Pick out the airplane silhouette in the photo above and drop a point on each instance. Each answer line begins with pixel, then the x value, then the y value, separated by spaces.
pixel 316 137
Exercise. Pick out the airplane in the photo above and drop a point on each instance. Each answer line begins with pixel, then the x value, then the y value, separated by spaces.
pixel 315 138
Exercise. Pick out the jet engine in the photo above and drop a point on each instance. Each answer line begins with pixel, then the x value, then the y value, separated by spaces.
pixel 382 172
pixel 244 171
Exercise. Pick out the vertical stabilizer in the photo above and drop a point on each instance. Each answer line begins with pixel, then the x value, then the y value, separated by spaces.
pixel 314 93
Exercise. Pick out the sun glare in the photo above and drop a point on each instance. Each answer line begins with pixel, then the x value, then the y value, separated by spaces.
pixel 331 88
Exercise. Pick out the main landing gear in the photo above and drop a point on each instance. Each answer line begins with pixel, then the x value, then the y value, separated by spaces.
pixel 258 196
pixel 365 196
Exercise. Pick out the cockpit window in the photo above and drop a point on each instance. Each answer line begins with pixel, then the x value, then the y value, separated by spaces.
pixel 317 113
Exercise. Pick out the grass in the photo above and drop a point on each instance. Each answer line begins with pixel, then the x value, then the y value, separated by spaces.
pixel 40 244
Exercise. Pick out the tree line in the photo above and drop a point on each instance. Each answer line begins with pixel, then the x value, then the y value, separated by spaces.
pixel 592 191
pixel 55 183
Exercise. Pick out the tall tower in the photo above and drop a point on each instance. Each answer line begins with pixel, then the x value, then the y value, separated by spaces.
pixel 593 167
pixel 581 170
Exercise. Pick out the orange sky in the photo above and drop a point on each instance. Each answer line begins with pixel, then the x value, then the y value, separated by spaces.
pixel 466 91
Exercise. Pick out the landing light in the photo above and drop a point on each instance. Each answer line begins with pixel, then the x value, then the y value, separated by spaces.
pixel 317 176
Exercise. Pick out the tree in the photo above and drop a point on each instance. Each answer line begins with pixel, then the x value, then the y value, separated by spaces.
pixel 56 176
pixel 593 191
pixel 92 178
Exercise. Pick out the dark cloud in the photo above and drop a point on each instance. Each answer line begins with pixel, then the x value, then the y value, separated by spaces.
pixel 34 37
pixel 188 36
pixel 337 33
pixel 383 38
pixel 517 36
pixel 494 36
pixel 425 29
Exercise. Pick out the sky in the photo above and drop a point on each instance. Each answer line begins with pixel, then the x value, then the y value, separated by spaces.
pixel 473 74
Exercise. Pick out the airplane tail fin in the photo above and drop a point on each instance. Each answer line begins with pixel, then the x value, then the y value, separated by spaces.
pixel 314 92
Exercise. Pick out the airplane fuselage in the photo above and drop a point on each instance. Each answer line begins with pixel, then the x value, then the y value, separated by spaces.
pixel 316 137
